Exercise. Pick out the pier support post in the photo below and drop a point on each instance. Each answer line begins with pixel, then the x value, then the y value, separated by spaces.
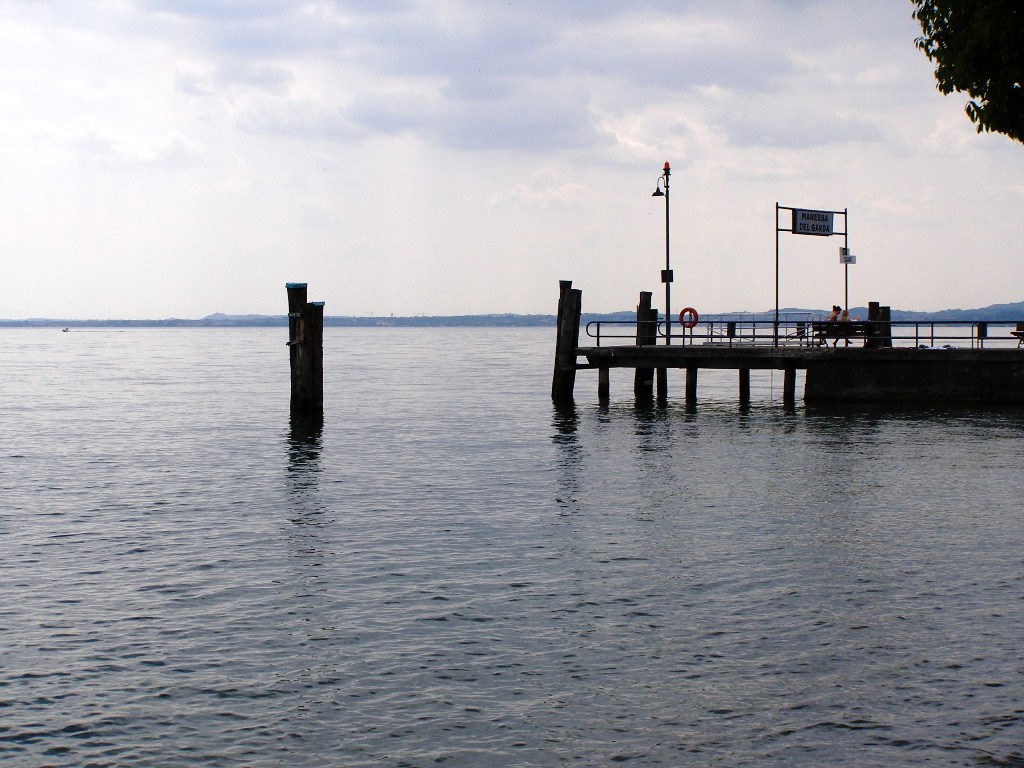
pixel 662 376
pixel 570 302
pixel 744 385
pixel 789 386
pixel 646 335
pixel 691 384
pixel 603 384
pixel 306 351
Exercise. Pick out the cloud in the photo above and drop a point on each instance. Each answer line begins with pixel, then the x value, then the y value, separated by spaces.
pixel 535 118
pixel 796 129
pixel 194 80
pixel 523 77
pixel 415 137
pixel 100 141
pixel 387 112
pixel 545 190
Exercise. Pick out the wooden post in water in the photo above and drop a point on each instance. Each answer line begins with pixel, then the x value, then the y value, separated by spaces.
pixel 789 386
pixel 646 335
pixel 563 288
pixel 691 384
pixel 603 384
pixel 744 385
pixel 306 351
pixel 570 302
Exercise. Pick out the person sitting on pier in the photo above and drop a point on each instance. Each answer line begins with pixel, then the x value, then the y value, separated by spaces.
pixel 844 317
pixel 831 317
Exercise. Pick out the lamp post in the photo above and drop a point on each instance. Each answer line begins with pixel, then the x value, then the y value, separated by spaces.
pixel 666 273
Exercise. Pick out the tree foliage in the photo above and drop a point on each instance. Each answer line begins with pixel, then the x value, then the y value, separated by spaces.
pixel 978 49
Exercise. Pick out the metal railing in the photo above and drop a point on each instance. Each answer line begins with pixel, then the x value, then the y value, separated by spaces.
pixel 807 330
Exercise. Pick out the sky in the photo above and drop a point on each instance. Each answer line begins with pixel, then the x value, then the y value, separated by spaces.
pixel 174 159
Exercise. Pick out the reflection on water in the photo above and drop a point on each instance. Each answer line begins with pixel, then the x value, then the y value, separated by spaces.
pixel 564 422
pixel 304 435
pixel 308 511
pixel 303 468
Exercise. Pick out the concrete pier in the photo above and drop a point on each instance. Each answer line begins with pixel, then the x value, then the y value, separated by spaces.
pixel 923 376
pixel 850 374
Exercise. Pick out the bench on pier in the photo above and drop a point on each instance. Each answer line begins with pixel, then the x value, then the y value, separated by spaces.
pixel 1018 334
pixel 823 330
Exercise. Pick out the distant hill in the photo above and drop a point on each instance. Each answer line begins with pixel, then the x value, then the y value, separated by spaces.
pixel 1014 312
pixel 995 312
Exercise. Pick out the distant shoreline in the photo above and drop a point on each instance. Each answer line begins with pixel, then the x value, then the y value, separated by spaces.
pixel 995 312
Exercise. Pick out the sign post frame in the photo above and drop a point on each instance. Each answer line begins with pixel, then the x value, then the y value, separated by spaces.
pixel 815 223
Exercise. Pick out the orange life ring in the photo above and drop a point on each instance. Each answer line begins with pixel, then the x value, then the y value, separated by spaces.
pixel 694 317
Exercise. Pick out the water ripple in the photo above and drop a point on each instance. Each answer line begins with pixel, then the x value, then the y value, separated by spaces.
pixel 462 576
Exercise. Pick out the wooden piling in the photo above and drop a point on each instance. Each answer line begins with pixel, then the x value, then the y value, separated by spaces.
pixel 691 383
pixel 874 330
pixel 744 385
pixel 570 303
pixel 646 335
pixel 603 384
pixel 306 351
pixel 316 353
pixel 879 326
pixel 789 385
pixel 563 288
pixel 885 318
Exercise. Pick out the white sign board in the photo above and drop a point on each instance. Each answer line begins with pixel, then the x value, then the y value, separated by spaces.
pixel 812 222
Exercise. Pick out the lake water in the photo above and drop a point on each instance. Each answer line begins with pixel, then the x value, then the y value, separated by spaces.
pixel 449 571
